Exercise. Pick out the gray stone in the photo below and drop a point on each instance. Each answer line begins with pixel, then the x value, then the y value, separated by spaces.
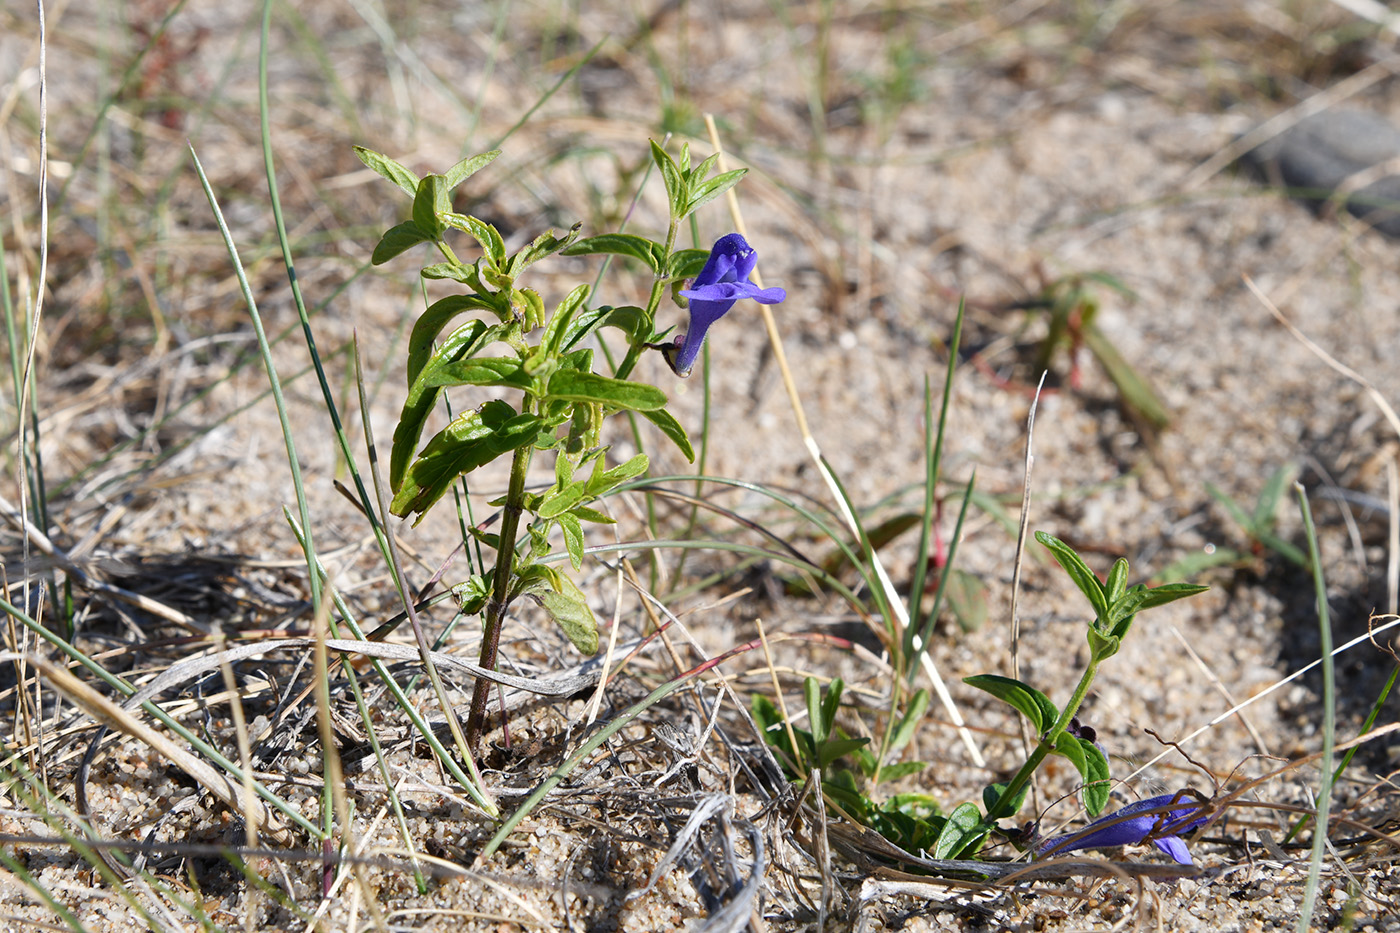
pixel 1321 152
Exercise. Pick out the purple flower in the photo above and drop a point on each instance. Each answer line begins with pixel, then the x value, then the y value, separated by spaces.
pixel 723 281
pixel 1162 828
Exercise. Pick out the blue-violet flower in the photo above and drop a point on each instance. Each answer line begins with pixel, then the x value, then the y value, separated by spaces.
pixel 1163 828
pixel 723 281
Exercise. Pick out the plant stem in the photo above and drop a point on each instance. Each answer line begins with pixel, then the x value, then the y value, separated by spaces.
pixel 1002 807
pixel 658 288
pixel 496 608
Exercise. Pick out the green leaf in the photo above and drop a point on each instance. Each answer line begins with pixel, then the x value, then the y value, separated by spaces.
pixel 816 721
pixel 1241 517
pixel 1032 704
pixel 486 236
pixel 1097 782
pixel 451 270
pixel 840 786
pixel 1113 282
pixel 707 191
pixel 770 724
pixel 1266 506
pixel 1198 562
pixel 557 503
pixel 473 439
pixel 629 319
pixel 703 169
pixel 480 371
pixel 991 794
pixel 1285 549
pixel 569 610
pixel 1137 392
pixel 1088 759
pixel 864 761
pixel 590 387
pixel 672 428
pixel 1117 583
pixel 573 538
pixel 619 244
pixel 1068 746
pixel 919 806
pixel 546 244
pixel 601 481
pixel 430 198
pixel 671 175
pixel 962 831
pixel 591 515
pixel 832 749
pixel 423 396
pixel 390 169
pixel 397 239
pixel 1078 571
pixel 553 338
pixel 831 702
pixel 467 168
pixel 904 732
pixel 1169 593
pixel 687 263
pixel 431 322
pixel 1102 646
pixel 967 598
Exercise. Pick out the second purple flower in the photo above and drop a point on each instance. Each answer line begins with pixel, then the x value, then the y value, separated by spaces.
pixel 1135 824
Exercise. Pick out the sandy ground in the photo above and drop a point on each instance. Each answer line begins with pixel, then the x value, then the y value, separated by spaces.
pixel 956 152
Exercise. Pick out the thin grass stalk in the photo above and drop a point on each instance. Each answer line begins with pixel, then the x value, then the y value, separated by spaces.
pixel 933 462
pixel 419 723
pixel 245 758
pixel 331 770
pixel 1329 717
pixel 922 638
pixel 29 461
pixel 791 504
pixel 464 746
pixel 775 340
pixel 303 506
pixel 26 397
pixel 275 200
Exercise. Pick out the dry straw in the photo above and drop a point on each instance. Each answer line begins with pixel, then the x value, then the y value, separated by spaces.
pixel 775 339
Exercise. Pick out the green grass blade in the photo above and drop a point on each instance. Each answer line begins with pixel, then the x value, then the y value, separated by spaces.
pixel 933 461
pixel 1329 718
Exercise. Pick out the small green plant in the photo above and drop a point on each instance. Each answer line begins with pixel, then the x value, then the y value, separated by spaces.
pixel 514 343
pixel 911 821
pixel 916 823
pixel 1259 526
pixel 1072 306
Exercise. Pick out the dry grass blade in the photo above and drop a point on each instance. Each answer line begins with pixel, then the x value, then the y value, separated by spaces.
pixel 709 806
pixel 103 710
pixel 896 603
pixel 559 684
